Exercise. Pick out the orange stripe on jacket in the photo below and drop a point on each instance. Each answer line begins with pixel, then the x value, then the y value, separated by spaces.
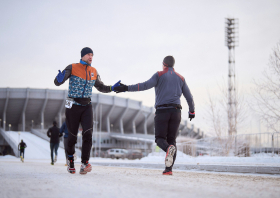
pixel 79 70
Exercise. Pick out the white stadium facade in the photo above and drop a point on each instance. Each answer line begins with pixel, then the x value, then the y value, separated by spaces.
pixel 118 122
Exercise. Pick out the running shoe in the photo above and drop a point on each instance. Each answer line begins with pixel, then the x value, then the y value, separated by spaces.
pixel 85 168
pixel 55 158
pixel 169 155
pixel 167 172
pixel 70 165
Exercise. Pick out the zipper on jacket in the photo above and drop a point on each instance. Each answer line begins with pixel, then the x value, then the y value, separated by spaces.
pixel 85 84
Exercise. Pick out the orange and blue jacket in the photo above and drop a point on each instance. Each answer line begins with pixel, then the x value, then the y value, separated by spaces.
pixel 82 77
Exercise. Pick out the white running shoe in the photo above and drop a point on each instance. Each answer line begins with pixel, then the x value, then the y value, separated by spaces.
pixel 169 155
pixel 55 158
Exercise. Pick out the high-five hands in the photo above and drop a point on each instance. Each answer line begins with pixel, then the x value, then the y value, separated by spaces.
pixel 60 76
pixel 121 88
pixel 115 85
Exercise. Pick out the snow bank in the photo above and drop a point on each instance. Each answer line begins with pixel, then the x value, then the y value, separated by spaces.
pixel 158 157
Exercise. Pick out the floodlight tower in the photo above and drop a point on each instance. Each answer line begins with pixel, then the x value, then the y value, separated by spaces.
pixel 231 42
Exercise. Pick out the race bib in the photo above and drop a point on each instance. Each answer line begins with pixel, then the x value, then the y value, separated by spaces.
pixel 69 102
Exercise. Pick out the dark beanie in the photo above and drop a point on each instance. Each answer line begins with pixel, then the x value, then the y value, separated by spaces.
pixel 54 123
pixel 85 51
pixel 169 61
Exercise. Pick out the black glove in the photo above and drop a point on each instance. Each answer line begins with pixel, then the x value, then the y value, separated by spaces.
pixel 191 115
pixel 121 88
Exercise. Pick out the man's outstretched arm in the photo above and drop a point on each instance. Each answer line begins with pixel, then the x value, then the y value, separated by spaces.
pixel 152 82
pixel 63 76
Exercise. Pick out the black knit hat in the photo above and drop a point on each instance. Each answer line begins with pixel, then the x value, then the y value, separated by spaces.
pixel 54 123
pixel 169 61
pixel 86 50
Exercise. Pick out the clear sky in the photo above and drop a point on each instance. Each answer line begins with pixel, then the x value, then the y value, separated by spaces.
pixel 130 40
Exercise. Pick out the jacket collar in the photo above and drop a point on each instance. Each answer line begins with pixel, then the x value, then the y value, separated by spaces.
pixel 168 69
pixel 84 63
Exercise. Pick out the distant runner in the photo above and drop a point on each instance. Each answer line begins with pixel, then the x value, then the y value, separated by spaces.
pixel 169 87
pixel 21 148
pixel 53 134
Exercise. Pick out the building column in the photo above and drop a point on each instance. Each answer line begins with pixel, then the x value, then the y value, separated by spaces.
pixel 24 109
pixel 123 114
pixel 148 117
pixel 134 119
pixel 43 109
pixel 108 115
pixel 5 108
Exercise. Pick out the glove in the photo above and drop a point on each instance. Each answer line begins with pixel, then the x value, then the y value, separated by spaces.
pixel 121 88
pixel 115 85
pixel 60 76
pixel 191 115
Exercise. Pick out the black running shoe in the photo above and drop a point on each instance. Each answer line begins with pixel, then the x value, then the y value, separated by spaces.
pixel 71 168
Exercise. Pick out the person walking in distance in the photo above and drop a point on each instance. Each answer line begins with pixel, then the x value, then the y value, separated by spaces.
pixel 21 148
pixel 53 134
pixel 63 129
pixel 169 86
pixel 82 77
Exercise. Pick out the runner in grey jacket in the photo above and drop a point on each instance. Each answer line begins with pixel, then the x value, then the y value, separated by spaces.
pixel 169 87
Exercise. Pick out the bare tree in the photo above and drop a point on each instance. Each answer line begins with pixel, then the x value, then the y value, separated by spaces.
pixel 219 113
pixel 267 91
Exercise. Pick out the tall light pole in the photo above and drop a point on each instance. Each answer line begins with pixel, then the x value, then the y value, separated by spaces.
pixel 231 41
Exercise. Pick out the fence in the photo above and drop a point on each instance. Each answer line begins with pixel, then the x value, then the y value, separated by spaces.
pixel 243 145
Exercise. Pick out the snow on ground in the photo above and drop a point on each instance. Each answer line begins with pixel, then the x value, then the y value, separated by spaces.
pixel 37 148
pixel 258 159
pixel 39 179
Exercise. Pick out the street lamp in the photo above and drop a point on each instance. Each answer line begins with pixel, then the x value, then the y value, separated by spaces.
pixel 10 127
pixel 32 121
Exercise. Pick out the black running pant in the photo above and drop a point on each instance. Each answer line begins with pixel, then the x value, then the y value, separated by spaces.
pixel 54 147
pixel 167 123
pixel 21 152
pixel 74 116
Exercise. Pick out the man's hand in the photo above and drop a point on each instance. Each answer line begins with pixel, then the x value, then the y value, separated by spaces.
pixel 115 85
pixel 191 115
pixel 60 76
pixel 121 88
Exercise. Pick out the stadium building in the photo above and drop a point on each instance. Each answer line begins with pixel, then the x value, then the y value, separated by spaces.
pixel 118 122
